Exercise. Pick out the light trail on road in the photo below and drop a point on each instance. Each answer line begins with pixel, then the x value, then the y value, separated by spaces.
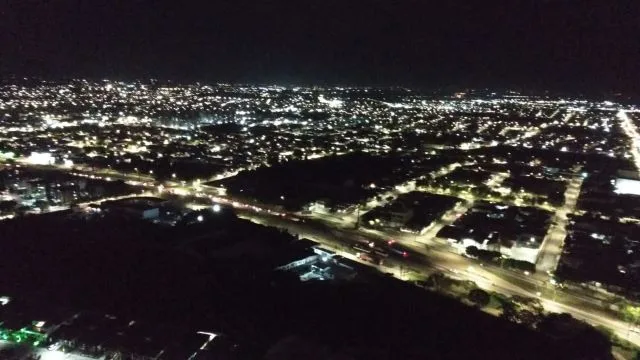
pixel 433 257
pixel 487 276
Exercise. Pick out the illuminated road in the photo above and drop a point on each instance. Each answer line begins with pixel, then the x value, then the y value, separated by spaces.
pixel 551 248
pixel 350 218
pixel 449 217
pixel 568 116
pixel 634 138
pixel 437 256
pixel 428 259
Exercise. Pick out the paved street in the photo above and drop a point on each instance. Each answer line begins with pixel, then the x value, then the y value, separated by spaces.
pixel 350 218
pixel 427 260
pixel 552 245
pixel 437 256
pixel 634 137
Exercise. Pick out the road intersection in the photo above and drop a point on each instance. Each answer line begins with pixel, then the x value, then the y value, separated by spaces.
pixel 428 255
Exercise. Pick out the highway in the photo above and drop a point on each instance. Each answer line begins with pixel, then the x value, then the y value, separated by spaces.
pixel 428 259
pixel 427 254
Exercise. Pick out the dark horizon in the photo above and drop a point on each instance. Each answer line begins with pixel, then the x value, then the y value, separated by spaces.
pixel 563 45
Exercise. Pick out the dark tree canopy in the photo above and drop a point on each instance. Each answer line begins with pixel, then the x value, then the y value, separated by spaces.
pixel 479 297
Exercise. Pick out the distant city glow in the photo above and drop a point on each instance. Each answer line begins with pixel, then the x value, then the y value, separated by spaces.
pixel 454 179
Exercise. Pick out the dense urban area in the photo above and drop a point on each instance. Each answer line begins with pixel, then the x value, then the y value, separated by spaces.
pixel 158 220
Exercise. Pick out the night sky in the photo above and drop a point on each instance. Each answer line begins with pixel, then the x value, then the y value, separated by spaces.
pixel 554 44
